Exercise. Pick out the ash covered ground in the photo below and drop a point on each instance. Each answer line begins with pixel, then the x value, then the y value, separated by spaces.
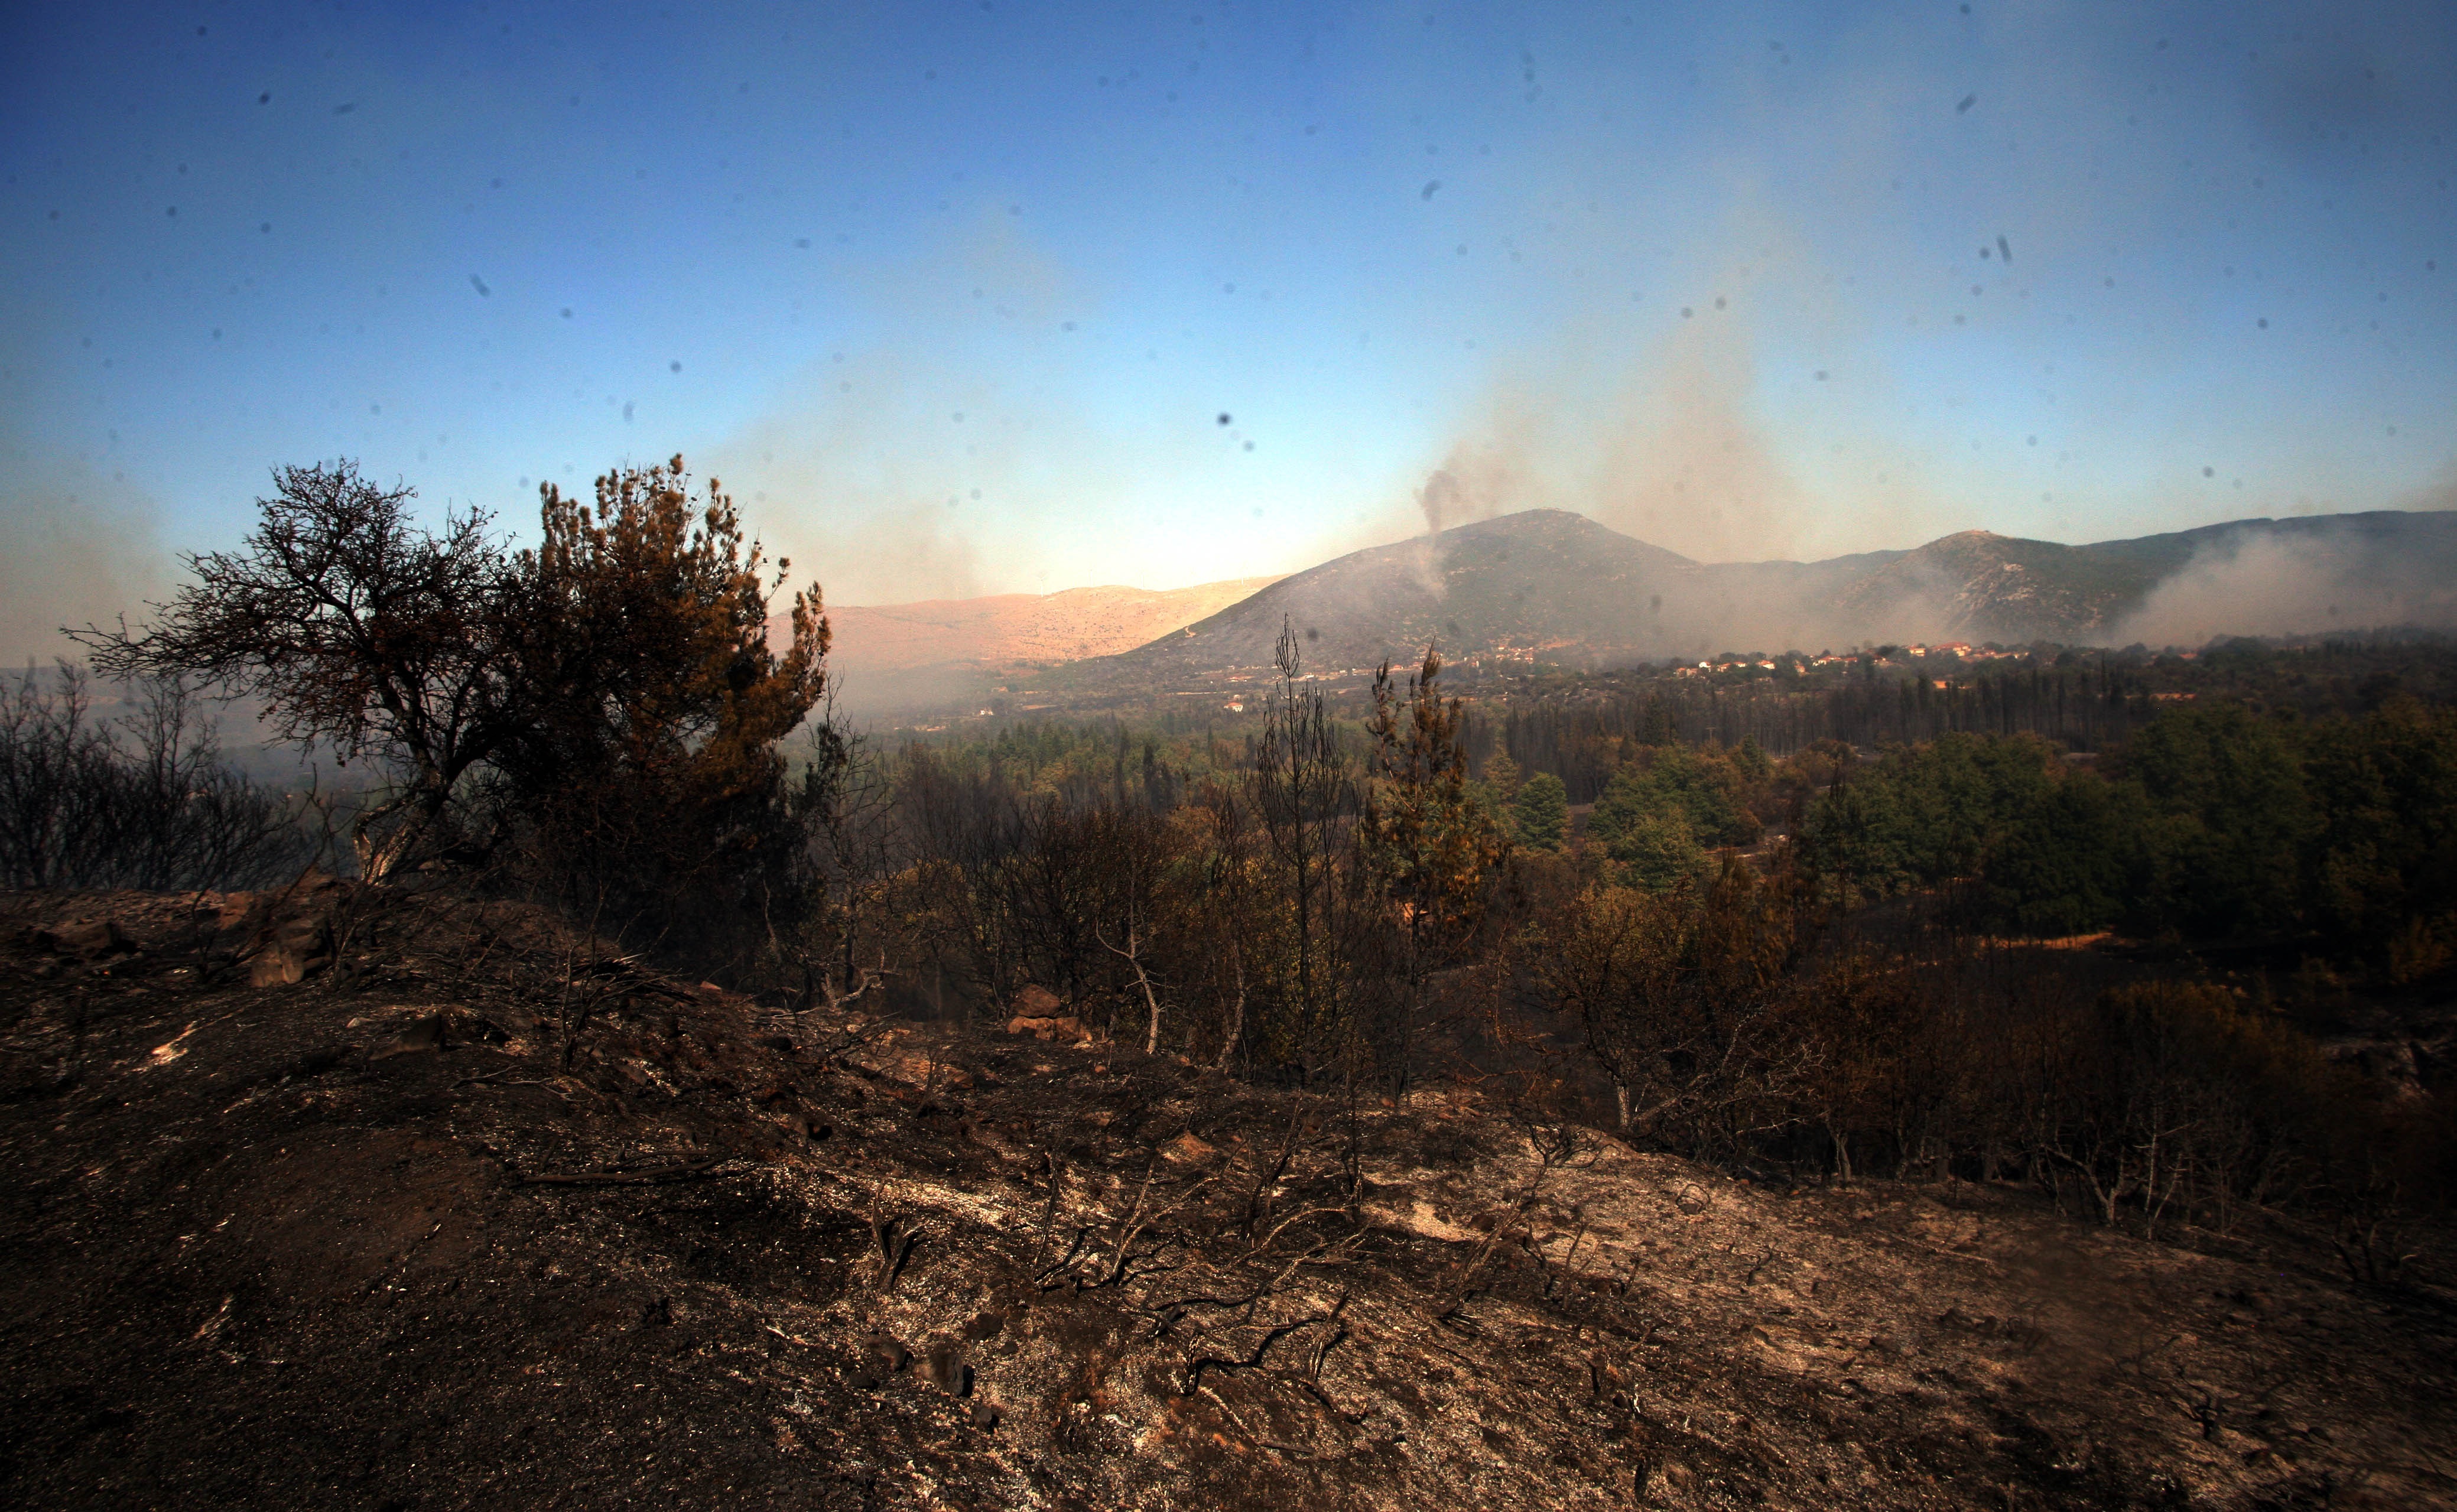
pixel 467 1215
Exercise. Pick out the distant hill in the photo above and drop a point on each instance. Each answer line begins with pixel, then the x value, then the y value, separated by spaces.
pixel 2311 574
pixel 885 653
pixel 1553 586
pixel 1545 581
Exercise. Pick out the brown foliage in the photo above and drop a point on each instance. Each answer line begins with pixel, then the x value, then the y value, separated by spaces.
pixel 648 772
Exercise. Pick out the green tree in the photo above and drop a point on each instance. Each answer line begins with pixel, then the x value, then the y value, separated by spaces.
pixel 2235 817
pixel 1657 851
pixel 2385 864
pixel 2072 861
pixel 1750 760
pixel 1502 777
pixel 1926 814
pixel 1703 787
pixel 1542 811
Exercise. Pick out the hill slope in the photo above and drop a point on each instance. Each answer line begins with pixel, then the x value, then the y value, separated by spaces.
pixel 382 1239
pixel 377 1239
pixel 1544 579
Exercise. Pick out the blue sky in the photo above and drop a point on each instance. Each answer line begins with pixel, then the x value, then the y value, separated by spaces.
pixel 954 297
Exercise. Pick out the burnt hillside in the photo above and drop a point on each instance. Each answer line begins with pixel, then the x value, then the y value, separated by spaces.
pixel 470 1215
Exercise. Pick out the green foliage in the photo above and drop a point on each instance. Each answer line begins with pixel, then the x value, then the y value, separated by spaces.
pixel 1704 788
pixel 2218 823
pixel 1657 851
pixel 1926 813
pixel 2234 817
pixel 2070 862
pixel 1541 811
pixel 2386 790
pixel 1502 777
pixel 1751 761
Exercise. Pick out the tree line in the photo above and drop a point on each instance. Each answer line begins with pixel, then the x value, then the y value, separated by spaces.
pixel 2211 823
pixel 2078 698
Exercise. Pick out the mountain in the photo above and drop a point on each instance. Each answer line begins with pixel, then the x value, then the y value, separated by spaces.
pixel 2313 573
pixel 1543 581
pixel 1553 586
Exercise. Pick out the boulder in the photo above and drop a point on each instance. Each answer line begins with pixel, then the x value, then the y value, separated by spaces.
pixel 1066 1031
pixel 944 1368
pixel 93 938
pixel 279 965
pixel 1043 1014
pixel 298 948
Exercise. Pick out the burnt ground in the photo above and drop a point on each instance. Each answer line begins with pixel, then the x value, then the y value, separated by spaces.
pixel 372 1239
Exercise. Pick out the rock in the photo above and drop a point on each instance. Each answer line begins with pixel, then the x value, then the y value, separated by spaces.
pixel 308 935
pixel 1036 1002
pixel 297 948
pixel 984 1416
pixel 984 1325
pixel 1068 1030
pixel 1186 1149
pixel 278 966
pixel 944 1368
pixel 95 937
pixel 427 1034
pixel 887 1351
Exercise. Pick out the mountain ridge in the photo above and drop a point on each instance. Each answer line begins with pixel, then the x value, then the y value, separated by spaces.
pixel 1552 585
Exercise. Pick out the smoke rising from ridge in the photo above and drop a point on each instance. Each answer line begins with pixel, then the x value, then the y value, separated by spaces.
pixel 2275 584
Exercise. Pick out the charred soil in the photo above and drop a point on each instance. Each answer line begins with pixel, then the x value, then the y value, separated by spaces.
pixel 444 1208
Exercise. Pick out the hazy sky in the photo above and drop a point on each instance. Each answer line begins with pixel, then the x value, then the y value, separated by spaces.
pixel 955 297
